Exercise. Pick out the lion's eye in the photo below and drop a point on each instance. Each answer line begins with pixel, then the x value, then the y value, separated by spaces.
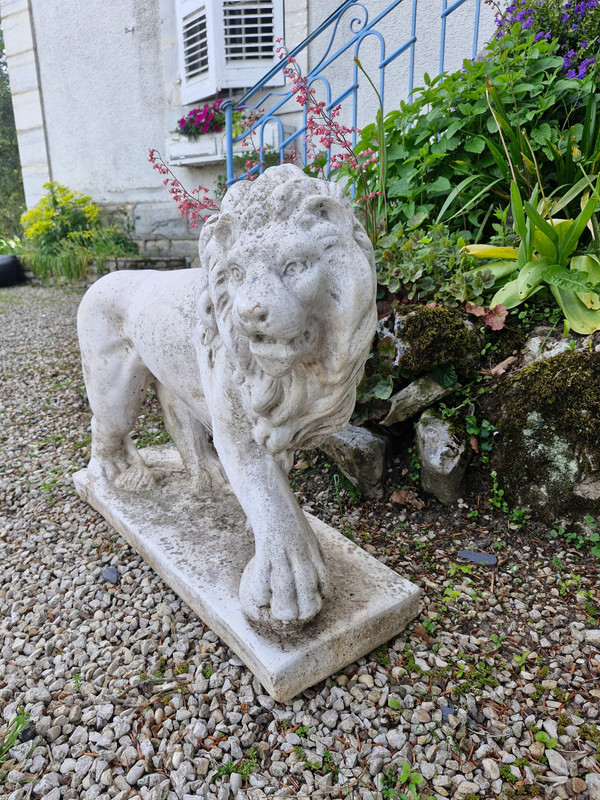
pixel 237 273
pixel 294 268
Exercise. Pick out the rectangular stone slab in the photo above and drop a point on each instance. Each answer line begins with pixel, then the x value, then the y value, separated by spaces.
pixel 200 546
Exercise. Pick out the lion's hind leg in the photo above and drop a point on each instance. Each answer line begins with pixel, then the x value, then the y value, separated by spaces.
pixel 191 439
pixel 116 383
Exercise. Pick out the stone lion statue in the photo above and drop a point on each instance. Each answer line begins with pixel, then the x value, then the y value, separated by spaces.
pixel 262 348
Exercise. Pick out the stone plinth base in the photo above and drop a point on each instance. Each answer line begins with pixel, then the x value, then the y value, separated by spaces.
pixel 200 546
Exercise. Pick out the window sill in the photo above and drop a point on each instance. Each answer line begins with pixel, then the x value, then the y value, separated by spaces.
pixel 206 149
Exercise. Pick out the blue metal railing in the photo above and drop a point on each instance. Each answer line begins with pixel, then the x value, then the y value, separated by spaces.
pixel 282 102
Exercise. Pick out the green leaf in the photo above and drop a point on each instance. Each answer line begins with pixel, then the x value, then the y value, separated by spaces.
pixel 571 240
pixel 569 279
pixel 475 144
pixel 445 376
pixel 579 318
pixel 541 224
pixel 530 276
pixel 517 211
pixel 416 219
pixel 383 390
pixel 591 266
pixel 440 185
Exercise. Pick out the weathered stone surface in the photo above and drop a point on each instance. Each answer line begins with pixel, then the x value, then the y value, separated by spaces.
pixel 361 454
pixel 415 398
pixel 263 348
pixel 443 460
pixel 200 546
pixel 547 443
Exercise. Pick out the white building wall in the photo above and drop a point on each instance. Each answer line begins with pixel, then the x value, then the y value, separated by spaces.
pixel 95 85
pixel 396 28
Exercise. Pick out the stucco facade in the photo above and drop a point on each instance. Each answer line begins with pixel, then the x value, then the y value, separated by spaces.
pixel 96 84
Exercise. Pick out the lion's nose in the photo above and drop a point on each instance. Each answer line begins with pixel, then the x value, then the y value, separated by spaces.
pixel 255 313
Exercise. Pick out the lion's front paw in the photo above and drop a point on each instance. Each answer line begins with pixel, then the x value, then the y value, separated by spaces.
pixel 138 478
pixel 283 587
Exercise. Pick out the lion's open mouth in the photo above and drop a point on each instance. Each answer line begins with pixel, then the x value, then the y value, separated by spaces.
pixel 278 356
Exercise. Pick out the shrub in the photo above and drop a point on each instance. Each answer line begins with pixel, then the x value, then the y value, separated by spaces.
pixel 61 212
pixel 446 156
pixel 574 25
pixel 64 235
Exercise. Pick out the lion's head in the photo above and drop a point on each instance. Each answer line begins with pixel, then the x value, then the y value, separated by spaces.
pixel 291 295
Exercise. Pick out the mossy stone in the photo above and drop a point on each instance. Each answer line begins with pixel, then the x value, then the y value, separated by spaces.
pixel 548 421
pixel 437 337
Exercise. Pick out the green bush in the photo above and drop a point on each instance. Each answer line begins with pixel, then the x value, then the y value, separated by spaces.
pixel 448 159
pixel 59 213
pixel 64 235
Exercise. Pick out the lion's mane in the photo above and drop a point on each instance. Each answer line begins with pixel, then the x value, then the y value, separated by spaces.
pixel 316 398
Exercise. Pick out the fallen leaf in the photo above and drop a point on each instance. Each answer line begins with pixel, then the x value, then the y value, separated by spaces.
pixel 473 441
pixel 404 497
pixel 496 317
pixel 422 634
pixel 477 311
pixel 501 368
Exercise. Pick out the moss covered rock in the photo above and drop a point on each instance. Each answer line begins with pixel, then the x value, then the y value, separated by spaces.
pixel 548 448
pixel 428 338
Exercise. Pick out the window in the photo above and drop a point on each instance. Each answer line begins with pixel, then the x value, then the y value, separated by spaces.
pixel 226 44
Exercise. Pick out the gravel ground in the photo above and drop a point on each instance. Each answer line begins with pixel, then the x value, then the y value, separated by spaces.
pixel 494 691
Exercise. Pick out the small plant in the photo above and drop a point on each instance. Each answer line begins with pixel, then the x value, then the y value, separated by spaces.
pixel 182 669
pixel 549 742
pixel 77 681
pixel 484 431
pixel 496 498
pixel 521 658
pixel 244 767
pixel 579 539
pixel 207 672
pixel 506 774
pixel 9 738
pixel 402 785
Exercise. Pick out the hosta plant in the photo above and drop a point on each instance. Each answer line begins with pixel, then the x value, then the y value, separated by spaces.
pixel 546 258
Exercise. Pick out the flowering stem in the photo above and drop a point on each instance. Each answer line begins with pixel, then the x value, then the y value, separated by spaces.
pixel 190 204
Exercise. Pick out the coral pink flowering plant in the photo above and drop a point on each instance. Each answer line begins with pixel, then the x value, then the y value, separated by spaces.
pixel 323 130
pixel 322 124
pixel 191 204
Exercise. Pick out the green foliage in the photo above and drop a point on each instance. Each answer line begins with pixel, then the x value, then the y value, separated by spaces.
pixel 446 159
pixel 402 785
pixel 244 767
pixel 64 235
pixel 544 258
pixel 542 736
pixel 428 266
pixel 12 201
pixel 575 27
pixel 9 737
pixel 581 540
pixel 58 214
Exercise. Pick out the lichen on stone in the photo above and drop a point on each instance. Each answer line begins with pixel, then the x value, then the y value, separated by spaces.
pixel 548 421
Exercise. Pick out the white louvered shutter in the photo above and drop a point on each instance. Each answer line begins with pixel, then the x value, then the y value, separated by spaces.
pixel 226 44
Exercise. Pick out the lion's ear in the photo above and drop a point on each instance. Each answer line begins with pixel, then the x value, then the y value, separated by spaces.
pixel 224 231
pixel 326 209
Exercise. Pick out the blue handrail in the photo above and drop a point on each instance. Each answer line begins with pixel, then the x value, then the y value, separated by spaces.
pixel 359 28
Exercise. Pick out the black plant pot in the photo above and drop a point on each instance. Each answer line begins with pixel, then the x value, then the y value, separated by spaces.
pixel 11 271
